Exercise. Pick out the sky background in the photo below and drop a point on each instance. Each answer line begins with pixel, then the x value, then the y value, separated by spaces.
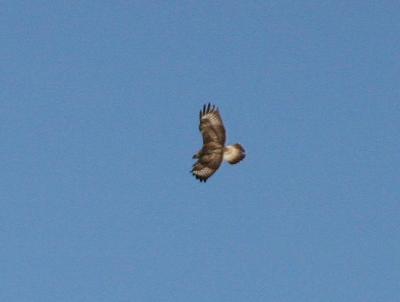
pixel 99 120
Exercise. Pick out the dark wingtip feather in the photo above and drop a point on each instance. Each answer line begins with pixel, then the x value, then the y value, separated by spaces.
pixel 199 177
pixel 207 108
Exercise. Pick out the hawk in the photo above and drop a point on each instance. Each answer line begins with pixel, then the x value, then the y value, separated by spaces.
pixel 214 151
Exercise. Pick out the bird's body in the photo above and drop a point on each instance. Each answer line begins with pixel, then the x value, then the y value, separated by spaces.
pixel 214 151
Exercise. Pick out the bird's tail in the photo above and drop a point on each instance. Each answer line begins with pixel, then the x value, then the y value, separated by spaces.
pixel 234 153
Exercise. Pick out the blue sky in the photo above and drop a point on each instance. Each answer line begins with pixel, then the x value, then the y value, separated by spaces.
pixel 99 120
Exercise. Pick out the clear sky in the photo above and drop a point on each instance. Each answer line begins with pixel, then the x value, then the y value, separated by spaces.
pixel 99 120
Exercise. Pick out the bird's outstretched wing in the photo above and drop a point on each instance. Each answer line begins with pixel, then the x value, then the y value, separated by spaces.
pixel 209 158
pixel 211 125
pixel 207 164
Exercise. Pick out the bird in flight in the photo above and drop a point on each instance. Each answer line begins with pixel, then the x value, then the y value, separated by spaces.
pixel 214 151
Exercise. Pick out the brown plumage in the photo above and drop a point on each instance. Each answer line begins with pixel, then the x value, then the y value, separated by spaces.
pixel 214 151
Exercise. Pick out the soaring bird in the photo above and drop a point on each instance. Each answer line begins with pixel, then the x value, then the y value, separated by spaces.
pixel 214 151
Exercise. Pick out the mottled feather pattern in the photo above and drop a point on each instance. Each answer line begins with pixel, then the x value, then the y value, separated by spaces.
pixel 211 125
